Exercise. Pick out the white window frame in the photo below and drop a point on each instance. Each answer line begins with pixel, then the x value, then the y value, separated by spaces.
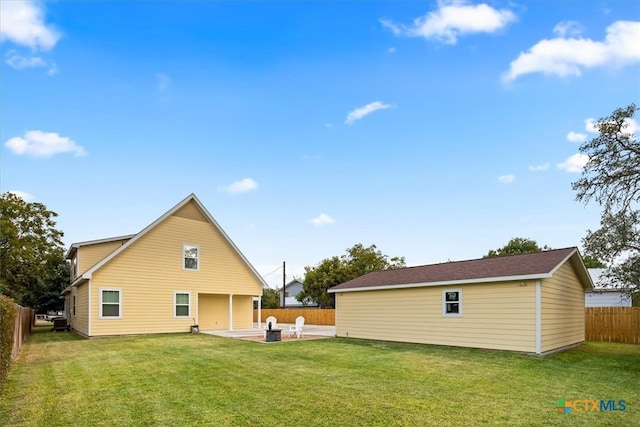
pixel 175 304
pixel 444 303
pixel 184 257
pixel 100 316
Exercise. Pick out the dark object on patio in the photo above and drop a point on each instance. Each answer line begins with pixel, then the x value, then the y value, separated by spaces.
pixel 274 335
pixel 195 329
pixel 60 324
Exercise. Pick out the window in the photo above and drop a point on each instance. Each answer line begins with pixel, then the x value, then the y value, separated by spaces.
pixel 110 301
pixel 181 302
pixel 452 302
pixel 74 305
pixel 191 256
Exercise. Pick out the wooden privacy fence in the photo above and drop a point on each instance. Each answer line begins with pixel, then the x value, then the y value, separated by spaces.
pixel 15 327
pixel 312 316
pixel 613 324
pixel 23 323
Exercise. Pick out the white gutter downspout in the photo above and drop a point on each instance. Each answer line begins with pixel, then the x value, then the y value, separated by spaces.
pixel 259 312
pixel 89 311
pixel 538 317
pixel 231 312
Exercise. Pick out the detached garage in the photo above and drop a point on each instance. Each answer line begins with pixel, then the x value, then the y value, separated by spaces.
pixel 532 303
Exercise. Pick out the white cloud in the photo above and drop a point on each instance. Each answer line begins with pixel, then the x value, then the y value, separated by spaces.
pixel 576 137
pixel 590 125
pixel 452 19
pixel 22 23
pixel 565 57
pixel 391 50
pixel 359 113
pixel 539 168
pixel 53 69
pixel 15 60
pixel 20 62
pixel 24 196
pixel 575 163
pixel 36 143
pixel 242 186
pixel 163 81
pixel 631 126
pixel 322 219
pixel 567 28
pixel 506 179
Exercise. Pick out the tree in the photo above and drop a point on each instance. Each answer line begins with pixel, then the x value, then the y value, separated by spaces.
pixel 30 248
pixel 517 245
pixel 611 178
pixel 333 271
pixel 592 262
pixel 270 298
pixel 45 295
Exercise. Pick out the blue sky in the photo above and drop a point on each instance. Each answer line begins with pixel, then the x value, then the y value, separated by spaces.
pixel 435 130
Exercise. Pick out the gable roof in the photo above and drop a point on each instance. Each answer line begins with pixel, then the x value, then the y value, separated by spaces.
pixel 74 246
pixel 293 282
pixel 530 266
pixel 190 198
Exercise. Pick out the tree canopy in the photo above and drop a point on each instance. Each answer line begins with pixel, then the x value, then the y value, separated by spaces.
pixel 270 298
pixel 515 246
pixel 31 252
pixel 333 271
pixel 611 178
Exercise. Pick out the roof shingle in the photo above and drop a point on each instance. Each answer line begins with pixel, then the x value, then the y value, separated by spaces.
pixel 530 264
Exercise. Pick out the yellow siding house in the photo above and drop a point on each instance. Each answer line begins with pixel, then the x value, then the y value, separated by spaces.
pixel 179 271
pixel 530 303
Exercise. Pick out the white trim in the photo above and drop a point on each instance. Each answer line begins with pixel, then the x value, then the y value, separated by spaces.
pixel 196 319
pixel 561 263
pixel 231 312
pixel 100 315
pixel 89 310
pixel 260 312
pixel 189 198
pixel 447 283
pixel 184 256
pixel 444 303
pixel 538 317
pixel 175 304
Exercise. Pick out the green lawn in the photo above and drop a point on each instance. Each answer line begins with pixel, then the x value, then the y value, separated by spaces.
pixel 189 380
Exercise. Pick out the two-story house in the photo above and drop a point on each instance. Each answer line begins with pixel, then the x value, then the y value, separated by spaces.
pixel 180 270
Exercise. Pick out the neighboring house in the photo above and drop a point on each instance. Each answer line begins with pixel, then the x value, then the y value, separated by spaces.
pixel 180 270
pixel 531 303
pixel 292 289
pixel 603 293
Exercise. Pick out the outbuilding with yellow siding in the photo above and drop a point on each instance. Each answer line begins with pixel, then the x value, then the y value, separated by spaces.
pixel 181 270
pixel 531 303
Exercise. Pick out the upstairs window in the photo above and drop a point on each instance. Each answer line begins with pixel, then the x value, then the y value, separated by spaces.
pixel 191 257
pixel 452 302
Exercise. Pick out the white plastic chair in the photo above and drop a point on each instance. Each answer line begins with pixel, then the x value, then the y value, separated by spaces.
pixel 274 324
pixel 297 328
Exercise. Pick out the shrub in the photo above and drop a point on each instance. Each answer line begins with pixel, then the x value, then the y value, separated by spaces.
pixel 8 310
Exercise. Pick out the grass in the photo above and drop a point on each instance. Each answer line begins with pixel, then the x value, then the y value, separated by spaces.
pixel 189 380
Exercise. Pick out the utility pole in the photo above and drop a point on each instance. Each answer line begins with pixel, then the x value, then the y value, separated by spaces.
pixel 284 284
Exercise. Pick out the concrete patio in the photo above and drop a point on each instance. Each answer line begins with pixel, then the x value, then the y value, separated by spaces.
pixel 310 331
